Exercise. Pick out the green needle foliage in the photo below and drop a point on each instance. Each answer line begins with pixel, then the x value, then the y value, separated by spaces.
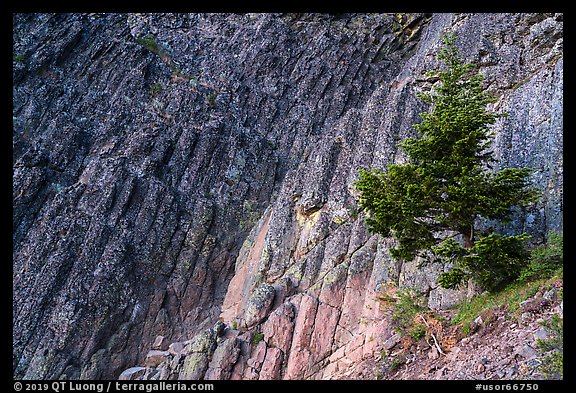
pixel 447 184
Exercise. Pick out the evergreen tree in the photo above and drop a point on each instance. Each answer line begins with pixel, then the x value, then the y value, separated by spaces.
pixel 448 184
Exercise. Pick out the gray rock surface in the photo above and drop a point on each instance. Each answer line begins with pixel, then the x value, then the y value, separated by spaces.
pixel 259 305
pixel 132 373
pixel 158 158
pixel 198 356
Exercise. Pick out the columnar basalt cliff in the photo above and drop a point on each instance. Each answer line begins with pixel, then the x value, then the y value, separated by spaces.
pixel 182 184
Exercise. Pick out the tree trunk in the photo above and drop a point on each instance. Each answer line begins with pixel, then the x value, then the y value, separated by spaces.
pixel 468 238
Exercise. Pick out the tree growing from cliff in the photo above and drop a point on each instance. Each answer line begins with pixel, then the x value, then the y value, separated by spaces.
pixel 448 184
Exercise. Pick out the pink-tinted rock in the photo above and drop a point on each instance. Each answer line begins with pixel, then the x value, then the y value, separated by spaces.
pixel 238 369
pixel 250 374
pixel 160 343
pixel 355 356
pixel 392 341
pixel 371 346
pixel 300 354
pixel 304 323
pixel 155 357
pixel 338 354
pixel 177 347
pixel 355 343
pixel 272 364
pixel 257 357
pixel 333 286
pixel 254 363
pixel 279 326
pixel 353 302
pixel 324 327
pixel 330 370
pixel 298 364
pixel 242 282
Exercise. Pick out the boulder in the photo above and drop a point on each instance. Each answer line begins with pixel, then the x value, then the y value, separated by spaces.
pixel 155 357
pixel 223 359
pixel 160 343
pixel 177 347
pixel 132 373
pixel 200 350
pixel 259 305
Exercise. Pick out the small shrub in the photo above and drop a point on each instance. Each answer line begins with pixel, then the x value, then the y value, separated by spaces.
pixel 211 99
pixel 519 84
pixel 544 268
pixel 545 260
pixel 271 144
pixel 418 332
pixel 484 304
pixel 353 213
pixel 553 349
pixel 179 74
pixel 553 365
pixel 149 42
pixel 258 336
pixel 18 57
pixel 397 362
pixel 493 262
pixel 155 89
pixel 405 310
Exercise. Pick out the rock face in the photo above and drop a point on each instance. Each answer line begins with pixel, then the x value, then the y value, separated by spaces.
pixel 173 170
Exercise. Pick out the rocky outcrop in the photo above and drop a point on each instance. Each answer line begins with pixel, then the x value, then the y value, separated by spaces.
pixel 501 346
pixel 174 171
